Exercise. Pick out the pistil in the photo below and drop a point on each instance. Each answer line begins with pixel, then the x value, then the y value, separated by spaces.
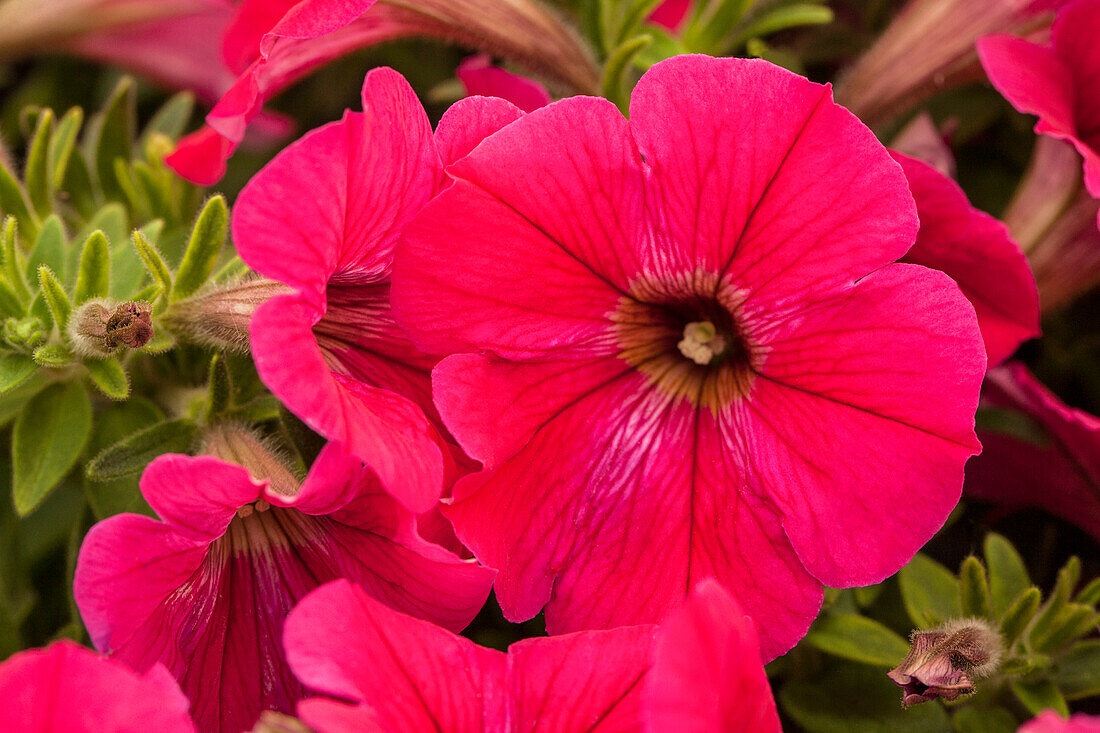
pixel 702 343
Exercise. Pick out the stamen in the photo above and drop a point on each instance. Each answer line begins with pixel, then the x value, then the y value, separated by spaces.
pixel 702 342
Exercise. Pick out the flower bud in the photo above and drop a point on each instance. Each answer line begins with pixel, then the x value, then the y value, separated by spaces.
pixel 24 333
pixel 99 328
pixel 945 661
pixel 219 317
pixel 237 444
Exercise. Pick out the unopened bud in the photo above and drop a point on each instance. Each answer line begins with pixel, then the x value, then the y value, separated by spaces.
pixel 99 327
pixel 24 333
pixel 236 444
pixel 219 317
pixel 945 661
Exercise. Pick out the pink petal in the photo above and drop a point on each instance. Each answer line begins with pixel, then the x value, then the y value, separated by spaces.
pixel 850 519
pixel 329 716
pixel 480 77
pixel 1061 475
pixel 589 681
pixel 469 121
pixel 384 429
pixel 670 14
pixel 1074 38
pixel 214 491
pixel 252 19
pixel 200 157
pixel 66 688
pixel 977 252
pixel 414 675
pixel 618 461
pixel 1049 721
pixel 707 673
pixel 739 178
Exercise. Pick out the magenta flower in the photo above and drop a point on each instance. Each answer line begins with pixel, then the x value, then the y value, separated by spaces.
pixel 695 357
pixel 670 14
pixel 66 688
pixel 205 591
pixel 480 77
pixel 1049 721
pixel 278 43
pixel 404 676
pixel 977 252
pixel 1057 468
pixel 1059 82
pixel 322 217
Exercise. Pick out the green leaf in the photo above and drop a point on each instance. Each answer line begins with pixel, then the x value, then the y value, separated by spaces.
pixel 9 302
pixel 109 376
pixel 49 248
pixel 220 389
pixel 36 173
pixel 1008 575
pixel 1090 594
pixel 1039 694
pixel 130 455
pixel 618 63
pixel 14 370
pixel 154 263
pixel 49 436
pixel 712 22
pixel 15 400
pixel 172 118
pixel 53 355
pixel 110 136
pixel 851 697
pixel 55 296
pixel 40 309
pixel 636 13
pixel 13 201
pixel 1019 614
pixel 974 589
pixel 1067 579
pixel 93 279
pixel 971 719
pixel 231 270
pixel 78 187
pixel 858 639
pixel 1077 673
pixel 135 195
pixel 1074 621
pixel 930 592
pixel 13 268
pixel 112 424
pixel 61 146
pixel 780 19
pixel 203 249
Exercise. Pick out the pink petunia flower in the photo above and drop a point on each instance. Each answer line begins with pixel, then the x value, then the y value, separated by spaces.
pixel 66 688
pixel 694 356
pixel 1049 721
pixel 205 591
pixel 480 77
pixel 404 676
pixel 282 48
pixel 977 252
pixel 1059 82
pixel 322 217
pixel 670 14
pixel 1056 469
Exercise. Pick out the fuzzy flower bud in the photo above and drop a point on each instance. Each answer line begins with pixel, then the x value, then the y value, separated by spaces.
pixel 99 327
pixel 945 661
pixel 237 444
pixel 219 317
pixel 24 333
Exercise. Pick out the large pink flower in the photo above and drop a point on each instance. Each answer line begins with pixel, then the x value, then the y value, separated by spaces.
pixel 1059 82
pixel 695 356
pixel 1056 468
pixel 406 676
pixel 66 688
pixel 977 252
pixel 322 217
pixel 205 591
pixel 1049 721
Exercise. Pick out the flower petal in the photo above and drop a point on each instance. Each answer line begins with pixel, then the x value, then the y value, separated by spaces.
pixel 480 77
pixel 469 121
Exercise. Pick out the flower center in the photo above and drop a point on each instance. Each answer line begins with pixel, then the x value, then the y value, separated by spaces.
pixel 688 335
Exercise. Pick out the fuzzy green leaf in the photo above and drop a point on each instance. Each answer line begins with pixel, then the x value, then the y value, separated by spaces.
pixel 48 437
pixel 930 592
pixel 49 249
pixel 78 187
pixel 112 424
pixel 859 639
pixel 13 201
pixel 93 279
pixel 13 267
pixel 1074 621
pixel 110 136
pixel 1040 694
pixel 41 310
pixel 154 263
pixel 1090 594
pixel 780 19
pixel 62 145
pixel 109 376
pixel 219 390
pixel 1077 673
pixel 1067 579
pixel 1019 614
pixel 36 172
pixel 131 455
pixel 203 248
pixel 10 305
pixel 1008 575
pixel 172 118
pixel 974 589
pixel 55 296
pixel 14 370
pixel 614 73
pixel 53 355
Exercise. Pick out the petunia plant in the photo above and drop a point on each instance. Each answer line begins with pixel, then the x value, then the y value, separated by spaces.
pixel 498 365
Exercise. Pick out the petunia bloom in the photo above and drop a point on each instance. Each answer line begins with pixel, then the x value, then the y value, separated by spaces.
pixel 945 661
pixel 479 77
pixel 1055 468
pixel 405 676
pixel 1059 82
pixel 692 354
pixel 205 591
pixel 1049 721
pixel 929 47
pixel 281 48
pixel 322 217
pixel 66 688
pixel 977 252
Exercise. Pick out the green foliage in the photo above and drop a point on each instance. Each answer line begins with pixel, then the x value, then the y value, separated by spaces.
pixel 203 249
pixel 93 279
pixel 49 436
pixel 130 455
pixel 930 592
pixel 857 638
